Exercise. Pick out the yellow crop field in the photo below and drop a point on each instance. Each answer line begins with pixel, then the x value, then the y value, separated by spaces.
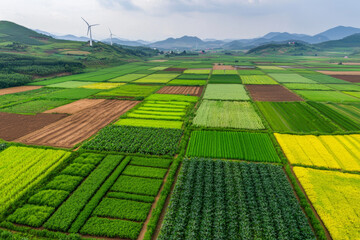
pixel 330 151
pixel 335 197
pixel 102 85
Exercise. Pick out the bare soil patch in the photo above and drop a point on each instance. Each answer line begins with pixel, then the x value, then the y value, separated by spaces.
pixel 77 106
pixel 194 91
pixel 175 69
pixel 352 73
pixel 349 78
pixel 78 127
pixel 272 93
pixel 18 89
pixel 223 67
pixel 13 126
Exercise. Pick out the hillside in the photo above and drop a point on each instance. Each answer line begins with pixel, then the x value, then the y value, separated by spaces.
pixel 347 42
pixel 338 32
pixel 296 49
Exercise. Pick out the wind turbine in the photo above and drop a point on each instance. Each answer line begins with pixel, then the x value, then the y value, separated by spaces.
pixel 111 35
pixel 89 30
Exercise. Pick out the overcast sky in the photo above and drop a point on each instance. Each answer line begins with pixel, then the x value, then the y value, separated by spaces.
pixel 159 19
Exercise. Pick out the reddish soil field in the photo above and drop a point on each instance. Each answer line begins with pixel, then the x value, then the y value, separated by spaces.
pixel 272 93
pixel 195 91
pixel 352 73
pixel 18 89
pixel 175 69
pixel 13 126
pixel 223 67
pixel 77 106
pixel 349 78
pixel 80 126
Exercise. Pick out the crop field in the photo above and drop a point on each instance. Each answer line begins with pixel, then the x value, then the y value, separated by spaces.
pixel 214 199
pixel 326 96
pixel 181 145
pixel 194 91
pixel 257 79
pixel 272 93
pixel 334 196
pixel 294 117
pixel 232 145
pixel 233 115
pixel 329 151
pixel 96 194
pixel 225 92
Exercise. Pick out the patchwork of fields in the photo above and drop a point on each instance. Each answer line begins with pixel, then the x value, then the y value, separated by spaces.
pixel 184 147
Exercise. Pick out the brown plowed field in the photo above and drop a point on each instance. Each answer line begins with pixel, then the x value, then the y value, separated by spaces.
pixel 13 126
pixel 78 127
pixel 223 67
pixel 349 78
pixel 272 93
pixel 18 89
pixel 175 69
pixel 352 73
pixel 195 91
pixel 77 106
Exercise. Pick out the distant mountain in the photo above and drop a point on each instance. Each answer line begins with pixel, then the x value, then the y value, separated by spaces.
pixel 339 32
pixel 124 42
pixel 12 32
pixel 347 42
pixel 183 43
pixel 293 49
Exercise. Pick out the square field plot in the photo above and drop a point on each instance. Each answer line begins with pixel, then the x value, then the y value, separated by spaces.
pixel 232 145
pixel 70 84
pixel 329 151
pixel 335 197
pixel 295 117
pixel 290 78
pixel 155 141
pixel 226 114
pixel 272 93
pixel 130 90
pixel 326 96
pixel 225 79
pixel 157 78
pixel 183 82
pixel 127 78
pixel 220 197
pixel 194 91
pixel 258 79
pixel 225 92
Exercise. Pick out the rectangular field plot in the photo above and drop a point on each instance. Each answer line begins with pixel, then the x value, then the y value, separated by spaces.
pixel 224 71
pixel 322 78
pixel 70 84
pixel 194 91
pixel 226 114
pixel 355 94
pixel 272 93
pixel 225 92
pixel 97 195
pixel 157 78
pixel 345 87
pixel 183 82
pixel 127 78
pixel 214 199
pixel 250 72
pixel 130 90
pixel 36 106
pixel 349 110
pixel 172 97
pixel 155 141
pixel 294 117
pixel 72 93
pixel 76 106
pixel 22 168
pixel 103 86
pixel 232 145
pixel 258 79
pixel 329 151
pixel 290 78
pixel 326 96
pixel 16 98
pixel 198 71
pixel 335 197
pixel 348 78
pixel 271 68
pixel 11 90
pixel 193 76
pixel 306 86
pixel 78 127
pixel 221 78
pixel 134 122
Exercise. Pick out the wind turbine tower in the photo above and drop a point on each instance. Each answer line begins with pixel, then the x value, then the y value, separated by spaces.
pixel 111 35
pixel 89 30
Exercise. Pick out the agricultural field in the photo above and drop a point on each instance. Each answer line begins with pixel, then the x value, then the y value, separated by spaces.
pixel 184 82
pixel 233 115
pixel 221 79
pixel 334 196
pixel 157 78
pixel 214 199
pixel 290 78
pixel 225 92
pixel 326 96
pixel 193 91
pixel 272 93
pixel 131 91
pixel 257 79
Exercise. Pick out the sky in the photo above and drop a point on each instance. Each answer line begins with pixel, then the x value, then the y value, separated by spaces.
pixel 152 20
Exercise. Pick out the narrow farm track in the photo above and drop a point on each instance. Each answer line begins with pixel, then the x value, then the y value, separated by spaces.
pixel 194 91
pixel 76 128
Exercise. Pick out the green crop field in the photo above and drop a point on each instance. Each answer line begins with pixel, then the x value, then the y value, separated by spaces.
pixel 183 82
pixel 157 78
pixel 221 78
pixel 127 78
pixel 290 78
pixel 326 96
pixel 257 79
pixel 322 78
pixel 36 106
pixel 225 92
pixel 130 91
pixel 306 86
pixel 70 84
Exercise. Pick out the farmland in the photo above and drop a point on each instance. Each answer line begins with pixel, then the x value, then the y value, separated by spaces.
pixel 183 146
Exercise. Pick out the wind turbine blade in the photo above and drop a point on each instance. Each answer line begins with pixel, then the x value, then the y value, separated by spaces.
pixel 85 21
pixel 94 25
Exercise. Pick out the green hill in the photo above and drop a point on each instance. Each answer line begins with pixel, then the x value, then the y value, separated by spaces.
pixel 296 49
pixel 352 41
